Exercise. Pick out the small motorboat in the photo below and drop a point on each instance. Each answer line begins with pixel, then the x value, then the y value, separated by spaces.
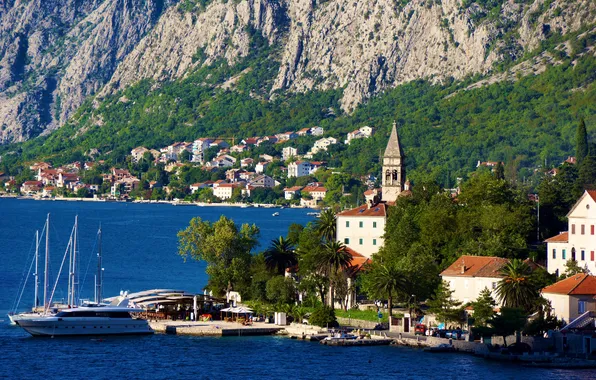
pixel 444 347
pixel 275 214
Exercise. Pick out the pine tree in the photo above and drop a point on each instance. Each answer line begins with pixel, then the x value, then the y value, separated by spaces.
pixel 581 142
pixel 443 306
pixel 483 308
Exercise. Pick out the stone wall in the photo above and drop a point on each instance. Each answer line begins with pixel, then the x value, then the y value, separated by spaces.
pixel 359 323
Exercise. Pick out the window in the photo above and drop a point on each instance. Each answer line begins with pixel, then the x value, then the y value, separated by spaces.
pixel 573 254
pixel 554 253
pixel 592 229
pixel 375 243
pixel 347 223
pixel 360 224
pixel 573 229
pixel 592 255
pixel 375 226
pixel 581 307
pixel 583 229
pixel 494 285
pixel 347 241
pixel 360 241
pixel 564 255
pixel 583 255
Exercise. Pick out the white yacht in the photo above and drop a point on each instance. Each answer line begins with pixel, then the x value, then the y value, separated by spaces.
pixel 103 320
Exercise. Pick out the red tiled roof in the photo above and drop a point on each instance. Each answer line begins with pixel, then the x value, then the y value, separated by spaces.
pixel 379 209
pixel 357 261
pixel 293 188
pixel 563 237
pixel 476 266
pixel 579 284
pixel 312 189
pixel 592 193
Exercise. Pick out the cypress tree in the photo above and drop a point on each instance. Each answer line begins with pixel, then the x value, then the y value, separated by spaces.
pixel 581 142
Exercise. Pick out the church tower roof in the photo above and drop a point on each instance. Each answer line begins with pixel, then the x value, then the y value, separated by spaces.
pixel 393 148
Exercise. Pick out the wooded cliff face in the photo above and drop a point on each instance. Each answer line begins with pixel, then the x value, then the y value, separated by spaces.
pixel 55 54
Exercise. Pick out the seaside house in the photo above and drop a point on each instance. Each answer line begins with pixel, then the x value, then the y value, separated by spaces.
pixel 572 296
pixel 291 192
pixel 362 228
pixel 124 186
pixel 579 241
pixel 197 186
pixel 31 187
pixel 315 193
pixel 469 275
pixel 225 190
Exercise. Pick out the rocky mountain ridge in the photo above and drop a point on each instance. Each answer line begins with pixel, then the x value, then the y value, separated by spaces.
pixel 53 57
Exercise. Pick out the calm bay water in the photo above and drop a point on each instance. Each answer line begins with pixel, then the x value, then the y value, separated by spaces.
pixel 139 245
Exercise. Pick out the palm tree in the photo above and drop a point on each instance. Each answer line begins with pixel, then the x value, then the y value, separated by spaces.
pixel 333 257
pixel 387 279
pixel 326 225
pixel 280 255
pixel 516 289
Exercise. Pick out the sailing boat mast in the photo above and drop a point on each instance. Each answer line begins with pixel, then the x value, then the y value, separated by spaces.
pixel 36 300
pixel 73 282
pixel 99 275
pixel 46 273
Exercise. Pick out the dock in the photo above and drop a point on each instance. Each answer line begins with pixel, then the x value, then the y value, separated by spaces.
pixel 214 328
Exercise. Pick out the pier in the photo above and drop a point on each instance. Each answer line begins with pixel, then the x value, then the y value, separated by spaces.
pixel 214 328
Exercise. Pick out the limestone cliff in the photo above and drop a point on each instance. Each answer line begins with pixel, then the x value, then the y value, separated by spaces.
pixel 53 57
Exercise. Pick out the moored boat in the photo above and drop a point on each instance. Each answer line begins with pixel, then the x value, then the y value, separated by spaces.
pixel 104 320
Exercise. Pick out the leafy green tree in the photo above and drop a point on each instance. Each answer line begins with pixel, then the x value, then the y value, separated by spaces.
pixel 581 142
pixel 224 247
pixel 507 322
pixel 259 276
pixel 281 290
pixel 516 289
pixel 587 173
pixel 280 255
pixel 323 316
pixel 572 268
pixel 383 280
pixel 484 308
pixel 443 306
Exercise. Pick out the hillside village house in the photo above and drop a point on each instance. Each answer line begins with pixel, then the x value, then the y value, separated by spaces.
pixel 303 132
pixel 261 167
pixel 316 192
pixel 317 131
pixel 579 241
pixel 361 133
pixel 262 181
pixel 288 152
pixel 572 296
pixel 31 187
pixel 246 162
pixel 299 169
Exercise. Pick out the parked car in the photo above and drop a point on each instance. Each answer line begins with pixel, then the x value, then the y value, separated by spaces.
pixel 420 329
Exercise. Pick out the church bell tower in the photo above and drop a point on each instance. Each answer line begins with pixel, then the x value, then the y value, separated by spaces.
pixel 394 172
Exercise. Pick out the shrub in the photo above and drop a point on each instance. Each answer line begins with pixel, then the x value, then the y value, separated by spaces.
pixel 323 317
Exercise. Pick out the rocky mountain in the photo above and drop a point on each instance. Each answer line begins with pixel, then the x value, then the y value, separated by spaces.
pixel 54 55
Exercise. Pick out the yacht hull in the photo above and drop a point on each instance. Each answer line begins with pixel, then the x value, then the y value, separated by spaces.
pixel 54 326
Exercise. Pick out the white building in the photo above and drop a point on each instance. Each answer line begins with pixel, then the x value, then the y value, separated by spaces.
pixel 469 275
pixel 361 133
pixel 362 228
pixel 316 131
pixel 199 146
pixel 299 169
pixel 261 167
pixel 288 152
pixel 225 190
pixel 579 241
pixel 290 192
pixel 262 181
pixel 137 153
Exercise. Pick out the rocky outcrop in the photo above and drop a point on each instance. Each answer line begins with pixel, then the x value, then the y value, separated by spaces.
pixel 53 55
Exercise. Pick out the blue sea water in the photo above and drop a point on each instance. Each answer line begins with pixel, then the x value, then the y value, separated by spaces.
pixel 139 250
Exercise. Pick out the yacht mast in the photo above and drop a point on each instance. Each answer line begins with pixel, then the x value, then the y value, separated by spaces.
pixel 36 300
pixel 99 275
pixel 47 264
pixel 74 283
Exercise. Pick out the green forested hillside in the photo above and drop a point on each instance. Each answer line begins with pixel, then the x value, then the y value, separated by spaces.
pixel 524 123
